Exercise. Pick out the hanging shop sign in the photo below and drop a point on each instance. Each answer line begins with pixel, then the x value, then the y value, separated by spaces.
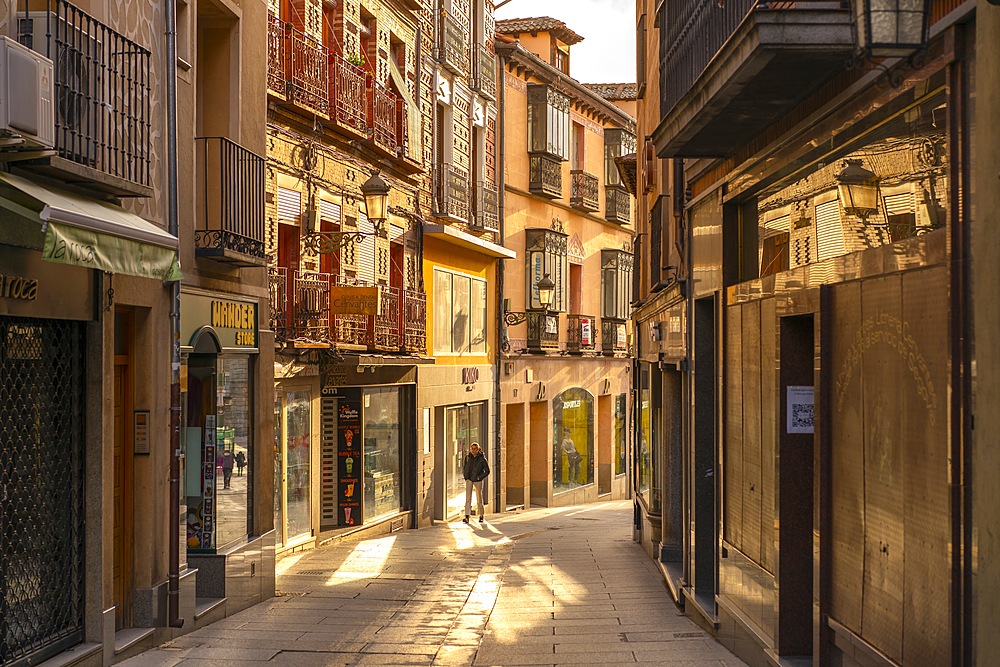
pixel 234 321
pixel 355 300
pixel 350 459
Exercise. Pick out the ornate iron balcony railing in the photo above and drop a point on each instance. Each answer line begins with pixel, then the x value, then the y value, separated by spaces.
pixel 348 93
pixel 486 72
pixel 617 205
pixel 383 113
pixel 584 191
pixel 277 55
pixel 451 192
pixel 543 331
pixel 487 213
pixel 545 175
pixel 581 333
pixel 308 73
pixel 101 86
pixel 454 45
pixel 614 339
pixel 230 226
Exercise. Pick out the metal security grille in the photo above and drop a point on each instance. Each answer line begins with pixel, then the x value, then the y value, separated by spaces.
pixel 41 488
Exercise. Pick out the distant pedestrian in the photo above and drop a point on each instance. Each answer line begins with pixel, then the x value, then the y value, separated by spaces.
pixel 227 469
pixel 241 462
pixel 475 470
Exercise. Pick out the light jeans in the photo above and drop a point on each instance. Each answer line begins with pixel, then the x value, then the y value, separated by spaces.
pixel 478 486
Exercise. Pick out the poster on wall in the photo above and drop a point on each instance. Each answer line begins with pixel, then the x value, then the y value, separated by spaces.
pixel 349 460
pixel 801 410
pixel 208 483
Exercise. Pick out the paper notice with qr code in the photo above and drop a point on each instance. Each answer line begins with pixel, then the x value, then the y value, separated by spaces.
pixel 801 410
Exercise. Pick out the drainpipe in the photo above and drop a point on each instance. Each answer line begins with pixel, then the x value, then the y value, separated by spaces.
pixel 173 567
pixel 500 274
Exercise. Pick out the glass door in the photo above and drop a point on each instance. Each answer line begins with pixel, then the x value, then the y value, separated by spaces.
pixel 463 426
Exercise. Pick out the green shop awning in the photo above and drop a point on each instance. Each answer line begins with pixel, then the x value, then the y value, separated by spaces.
pixel 94 234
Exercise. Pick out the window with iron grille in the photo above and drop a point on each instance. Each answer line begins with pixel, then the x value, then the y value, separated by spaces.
pixel 546 254
pixel 616 284
pixel 548 121
pixel 41 488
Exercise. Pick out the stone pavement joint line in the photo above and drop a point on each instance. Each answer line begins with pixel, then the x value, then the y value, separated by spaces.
pixel 562 586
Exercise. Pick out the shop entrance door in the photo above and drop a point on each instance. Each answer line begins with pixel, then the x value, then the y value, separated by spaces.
pixel 463 426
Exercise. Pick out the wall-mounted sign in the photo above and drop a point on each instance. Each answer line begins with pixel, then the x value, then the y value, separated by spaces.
pixel 355 300
pixel 801 410
pixel 140 431
pixel 18 287
pixel 586 331
pixel 234 321
pixel 30 287
pixel 470 375
pixel 350 459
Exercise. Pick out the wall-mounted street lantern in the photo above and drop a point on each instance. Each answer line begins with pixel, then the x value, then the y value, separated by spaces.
pixel 857 189
pixel 546 291
pixel 891 28
pixel 376 194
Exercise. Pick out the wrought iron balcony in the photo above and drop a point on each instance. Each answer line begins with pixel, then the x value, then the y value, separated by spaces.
pixel 614 337
pixel 543 331
pixel 277 56
pixel 581 333
pixel 301 314
pixel 414 319
pixel 383 114
pixel 230 191
pixel 729 70
pixel 453 45
pixel 102 97
pixel 308 73
pixel 584 191
pixel 487 213
pixel 348 94
pixel 545 175
pixel 451 193
pixel 486 72
pixel 617 205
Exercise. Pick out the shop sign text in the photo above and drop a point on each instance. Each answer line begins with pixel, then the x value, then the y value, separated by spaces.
pixel 17 287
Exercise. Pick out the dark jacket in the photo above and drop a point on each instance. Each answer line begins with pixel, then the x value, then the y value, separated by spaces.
pixel 476 468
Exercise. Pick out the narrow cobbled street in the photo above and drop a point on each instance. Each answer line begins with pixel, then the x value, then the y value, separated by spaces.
pixel 538 587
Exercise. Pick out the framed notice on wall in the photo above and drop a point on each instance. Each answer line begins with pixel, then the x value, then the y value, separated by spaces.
pixel 801 410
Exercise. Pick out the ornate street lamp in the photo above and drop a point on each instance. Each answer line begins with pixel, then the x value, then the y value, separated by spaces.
pixel 376 193
pixel 546 292
pixel 857 189
pixel 891 28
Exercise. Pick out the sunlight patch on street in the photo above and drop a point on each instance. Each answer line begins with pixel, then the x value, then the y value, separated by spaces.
pixel 365 562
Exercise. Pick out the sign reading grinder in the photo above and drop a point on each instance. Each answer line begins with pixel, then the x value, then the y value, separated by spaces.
pixel 355 300
pixel 235 322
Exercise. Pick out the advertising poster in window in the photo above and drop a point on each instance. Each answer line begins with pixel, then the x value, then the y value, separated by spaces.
pixel 349 459
pixel 208 484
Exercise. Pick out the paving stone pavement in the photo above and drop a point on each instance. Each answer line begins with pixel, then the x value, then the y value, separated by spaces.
pixel 537 587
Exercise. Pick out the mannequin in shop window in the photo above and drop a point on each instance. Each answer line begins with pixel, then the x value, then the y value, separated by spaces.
pixel 573 458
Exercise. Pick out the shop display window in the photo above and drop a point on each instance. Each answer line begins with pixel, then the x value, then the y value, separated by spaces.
pixel 381 469
pixel 642 455
pixel 621 433
pixel 573 439
pixel 217 444
pixel 298 440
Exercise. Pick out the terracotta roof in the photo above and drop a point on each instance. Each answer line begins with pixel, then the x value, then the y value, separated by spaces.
pixel 539 24
pixel 614 91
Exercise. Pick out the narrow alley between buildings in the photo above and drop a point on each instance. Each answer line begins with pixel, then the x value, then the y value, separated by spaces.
pixel 538 587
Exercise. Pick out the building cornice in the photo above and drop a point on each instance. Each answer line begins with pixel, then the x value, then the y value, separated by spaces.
pixel 524 64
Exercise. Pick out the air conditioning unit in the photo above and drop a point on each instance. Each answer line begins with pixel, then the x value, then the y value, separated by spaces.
pixel 82 107
pixel 26 96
